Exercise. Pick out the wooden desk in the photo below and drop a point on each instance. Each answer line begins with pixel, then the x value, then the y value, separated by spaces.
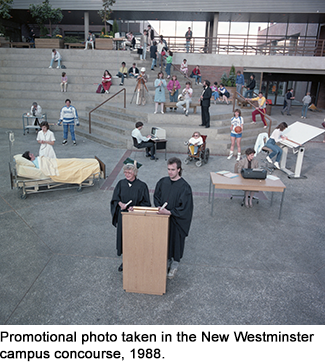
pixel 240 183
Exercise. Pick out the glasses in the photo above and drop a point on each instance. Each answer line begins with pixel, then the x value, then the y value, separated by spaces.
pixel 196 135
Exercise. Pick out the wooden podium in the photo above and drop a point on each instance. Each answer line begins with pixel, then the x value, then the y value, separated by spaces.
pixel 145 243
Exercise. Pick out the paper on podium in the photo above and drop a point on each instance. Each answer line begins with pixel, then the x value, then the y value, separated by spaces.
pixel 300 133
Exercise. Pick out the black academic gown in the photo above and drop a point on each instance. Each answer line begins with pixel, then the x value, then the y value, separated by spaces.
pixel 139 194
pixel 178 195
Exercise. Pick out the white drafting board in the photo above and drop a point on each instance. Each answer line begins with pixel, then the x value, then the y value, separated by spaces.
pixel 300 133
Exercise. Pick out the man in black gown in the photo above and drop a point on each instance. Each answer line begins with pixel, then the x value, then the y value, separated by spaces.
pixel 127 189
pixel 178 194
pixel 205 104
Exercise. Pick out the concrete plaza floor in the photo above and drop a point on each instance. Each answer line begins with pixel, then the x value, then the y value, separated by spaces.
pixel 240 266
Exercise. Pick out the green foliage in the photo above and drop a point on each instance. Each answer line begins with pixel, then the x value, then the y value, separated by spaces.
pixel 103 32
pixel 231 80
pixel 5 6
pixel 56 31
pixel 44 12
pixel 106 11
pixel 115 27
pixel 72 39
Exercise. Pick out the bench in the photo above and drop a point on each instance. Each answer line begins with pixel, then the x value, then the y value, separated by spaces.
pixel 20 44
pixel 74 45
pixel 173 105
pixel 230 99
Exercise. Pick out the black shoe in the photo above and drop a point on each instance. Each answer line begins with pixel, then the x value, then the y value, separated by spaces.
pixel 288 114
pixel 202 125
pixel 152 158
pixel 207 126
pixel 148 155
pixel 120 268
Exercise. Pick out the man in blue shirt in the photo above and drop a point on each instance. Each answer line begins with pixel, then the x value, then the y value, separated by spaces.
pixel 69 117
pixel 240 82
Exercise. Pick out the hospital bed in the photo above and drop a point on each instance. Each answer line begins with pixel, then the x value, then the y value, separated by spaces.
pixel 54 174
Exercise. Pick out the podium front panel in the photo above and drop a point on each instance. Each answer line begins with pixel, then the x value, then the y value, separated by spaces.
pixel 145 245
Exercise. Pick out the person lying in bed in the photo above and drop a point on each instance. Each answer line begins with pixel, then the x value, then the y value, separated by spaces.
pixel 30 156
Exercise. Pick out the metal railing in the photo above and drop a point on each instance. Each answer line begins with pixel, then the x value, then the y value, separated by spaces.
pixel 114 95
pixel 251 45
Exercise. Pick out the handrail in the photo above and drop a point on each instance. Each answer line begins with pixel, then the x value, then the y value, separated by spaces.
pixel 247 100
pixel 251 45
pixel 179 70
pixel 123 89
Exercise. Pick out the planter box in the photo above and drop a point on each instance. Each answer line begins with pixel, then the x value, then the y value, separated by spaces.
pixel 104 44
pixel 49 43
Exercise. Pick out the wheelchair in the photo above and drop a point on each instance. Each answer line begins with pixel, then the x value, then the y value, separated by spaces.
pixel 202 155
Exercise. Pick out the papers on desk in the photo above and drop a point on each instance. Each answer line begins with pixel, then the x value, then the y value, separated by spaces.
pixel 271 177
pixel 227 174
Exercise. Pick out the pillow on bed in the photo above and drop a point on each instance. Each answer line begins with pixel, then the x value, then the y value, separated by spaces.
pixel 25 168
pixel 20 160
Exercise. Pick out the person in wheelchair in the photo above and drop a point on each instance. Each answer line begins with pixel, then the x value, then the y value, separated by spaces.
pixel 194 143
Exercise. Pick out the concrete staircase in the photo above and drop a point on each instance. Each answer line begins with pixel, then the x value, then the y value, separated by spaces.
pixel 25 78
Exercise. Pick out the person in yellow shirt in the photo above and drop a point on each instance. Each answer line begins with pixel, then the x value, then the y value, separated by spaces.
pixel 123 72
pixel 261 109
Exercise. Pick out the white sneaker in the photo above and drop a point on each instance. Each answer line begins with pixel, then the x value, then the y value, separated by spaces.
pixel 186 113
pixel 172 273
pixel 162 112
pixel 302 117
pixel 276 164
pixel 154 112
pixel 50 67
pixel 265 127
pixel 268 159
pixel 57 67
pixel 230 156
pixel 238 158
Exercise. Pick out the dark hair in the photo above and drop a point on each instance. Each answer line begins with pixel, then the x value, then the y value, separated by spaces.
pixel 188 82
pixel 170 53
pixel 138 124
pixel 67 100
pixel 282 126
pixel 237 110
pixel 178 164
pixel 174 76
pixel 107 72
pixel 53 50
pixel 26 155
pixel 207 82
pixel 221 85
pixel 45 123
pixel 249 151
pixel 123 63
pixel 162 75
pixel 252 75
pixel 215 83
pixel 63 74
pixel 238 72
pixel 260 93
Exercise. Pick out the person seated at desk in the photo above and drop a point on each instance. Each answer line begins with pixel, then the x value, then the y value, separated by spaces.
pixel 247 162
pixel 271 143
pixel 144 142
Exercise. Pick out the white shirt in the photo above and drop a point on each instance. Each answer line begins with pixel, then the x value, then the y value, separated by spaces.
pixel 188 94
pixel 276 135
pixel 137 134
pixel 38 111
pixel 195 141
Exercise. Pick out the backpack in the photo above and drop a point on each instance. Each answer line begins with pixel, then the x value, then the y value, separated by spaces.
pixel 100 89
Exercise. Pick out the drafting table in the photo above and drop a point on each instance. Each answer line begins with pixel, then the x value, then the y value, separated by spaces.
pixel 298 134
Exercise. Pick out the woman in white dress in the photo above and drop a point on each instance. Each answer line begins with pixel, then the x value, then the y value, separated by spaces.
pixel 46 139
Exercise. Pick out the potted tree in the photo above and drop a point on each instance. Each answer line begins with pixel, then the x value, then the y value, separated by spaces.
pixel 42 13
pixel 105 41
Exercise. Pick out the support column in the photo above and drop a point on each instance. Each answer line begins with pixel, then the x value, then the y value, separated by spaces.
pixel 215 32
pixel 86 24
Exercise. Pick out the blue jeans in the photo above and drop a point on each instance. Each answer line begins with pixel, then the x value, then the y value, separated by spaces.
pixel 122 76
pixel 248 93
pixel 144 52
pixel 153 63
pixel 65 130
pixel 168 66
pixel 275 148
pixel 188 43
pixel 174 98
pixel 304 110
pixel 198 78
pixel 59 62
pixel 215 95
